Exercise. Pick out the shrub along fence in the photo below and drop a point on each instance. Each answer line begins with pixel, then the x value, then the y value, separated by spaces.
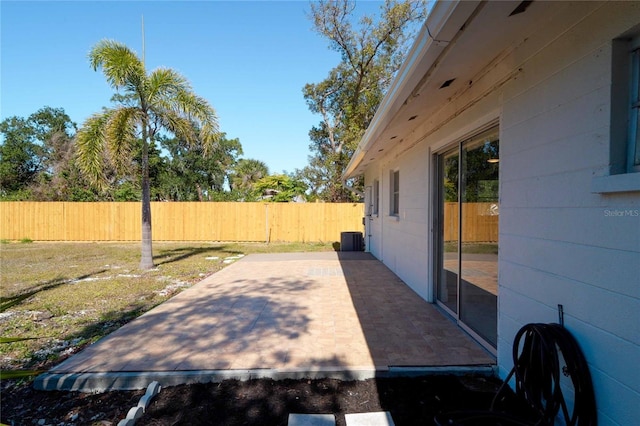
pixel 175 221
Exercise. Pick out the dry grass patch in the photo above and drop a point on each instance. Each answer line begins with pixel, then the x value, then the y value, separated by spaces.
pixel 69 294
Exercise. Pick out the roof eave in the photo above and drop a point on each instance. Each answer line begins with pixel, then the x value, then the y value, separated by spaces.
pixel 443 23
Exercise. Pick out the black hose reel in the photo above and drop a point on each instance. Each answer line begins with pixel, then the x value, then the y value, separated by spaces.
pixel 542 355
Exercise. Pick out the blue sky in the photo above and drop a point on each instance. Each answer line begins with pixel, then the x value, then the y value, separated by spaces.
pixel 249 59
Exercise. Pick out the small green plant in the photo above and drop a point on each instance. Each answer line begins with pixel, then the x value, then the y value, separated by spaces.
pixel 26 240
pixel 5 241
pixel 54 309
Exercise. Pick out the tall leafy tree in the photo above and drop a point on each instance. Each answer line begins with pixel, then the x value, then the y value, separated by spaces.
pixel 60 179
pixel 371 52
pixel 20 156
pixel 52 126
pixel 146 104
pixel 315 176
pixel 192 176
pixel 35 155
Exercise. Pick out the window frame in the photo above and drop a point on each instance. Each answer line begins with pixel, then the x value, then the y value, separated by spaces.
pixel 376 197
pixel 633 144
pixel 623 174
pixel 394 192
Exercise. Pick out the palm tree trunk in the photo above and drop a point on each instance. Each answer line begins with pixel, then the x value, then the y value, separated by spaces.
pixel 146 258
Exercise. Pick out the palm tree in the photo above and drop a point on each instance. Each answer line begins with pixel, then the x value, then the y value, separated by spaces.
pixel 145 104
pixel 246 173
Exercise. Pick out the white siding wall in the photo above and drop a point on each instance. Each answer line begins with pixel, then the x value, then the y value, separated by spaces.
pixel 559 244
pixel 401 242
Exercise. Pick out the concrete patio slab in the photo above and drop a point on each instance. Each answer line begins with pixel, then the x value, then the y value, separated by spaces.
pixel 327 314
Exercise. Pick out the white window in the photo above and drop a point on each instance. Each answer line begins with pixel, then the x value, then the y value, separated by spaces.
pixel 395 193
pixel 376 196
pixel 624 137
pixel 625 106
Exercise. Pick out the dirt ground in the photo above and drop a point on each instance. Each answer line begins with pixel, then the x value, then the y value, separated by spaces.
pixel 411 401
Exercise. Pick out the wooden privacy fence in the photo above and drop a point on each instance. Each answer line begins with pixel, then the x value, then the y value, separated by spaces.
pixel 174 221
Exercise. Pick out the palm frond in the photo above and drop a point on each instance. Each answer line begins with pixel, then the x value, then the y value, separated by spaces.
pixel 91 143
pixel 171 96
pixel 199 110
pixel 210 136
pixel 164 83
pixel 121 135
pixel 178 124
pixel 120 65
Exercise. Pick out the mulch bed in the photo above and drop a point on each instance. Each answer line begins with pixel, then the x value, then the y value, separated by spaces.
pixel 411 401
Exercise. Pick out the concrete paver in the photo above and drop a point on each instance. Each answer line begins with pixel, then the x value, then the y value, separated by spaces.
pixel 311 420
pixel 295 313
pixel 378 418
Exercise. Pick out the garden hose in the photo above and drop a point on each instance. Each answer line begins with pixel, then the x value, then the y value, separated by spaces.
pixel 537 369
pixel 541 353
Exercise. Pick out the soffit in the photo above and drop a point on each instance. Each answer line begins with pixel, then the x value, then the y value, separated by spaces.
pixel 488 34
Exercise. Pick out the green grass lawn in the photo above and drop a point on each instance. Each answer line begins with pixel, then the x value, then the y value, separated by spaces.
pixel 69 294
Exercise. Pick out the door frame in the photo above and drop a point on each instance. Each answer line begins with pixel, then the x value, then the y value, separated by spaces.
pixel 437 226
pixel 368 217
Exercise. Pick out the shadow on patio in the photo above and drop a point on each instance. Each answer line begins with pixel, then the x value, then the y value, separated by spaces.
pixel 400 328
pixel 326 314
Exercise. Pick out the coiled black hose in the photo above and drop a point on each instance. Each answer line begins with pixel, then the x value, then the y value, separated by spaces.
pixel 541 353
pixel 537 368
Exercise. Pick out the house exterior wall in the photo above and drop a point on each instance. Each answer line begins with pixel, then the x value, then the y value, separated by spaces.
pixel 401 242
pixel 560 243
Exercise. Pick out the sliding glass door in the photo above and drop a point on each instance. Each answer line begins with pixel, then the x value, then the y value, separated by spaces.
pixel 467 213
pixel 449 257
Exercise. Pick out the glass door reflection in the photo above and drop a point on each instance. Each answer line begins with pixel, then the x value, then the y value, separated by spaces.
pixel 479 238
pixel 449 265
pixel 467 214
